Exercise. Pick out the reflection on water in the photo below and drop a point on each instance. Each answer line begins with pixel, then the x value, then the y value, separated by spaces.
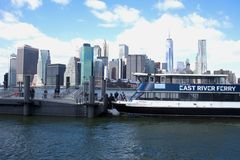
pixel 118 138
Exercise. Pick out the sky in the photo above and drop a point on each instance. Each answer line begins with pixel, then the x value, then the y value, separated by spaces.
pixel 62 26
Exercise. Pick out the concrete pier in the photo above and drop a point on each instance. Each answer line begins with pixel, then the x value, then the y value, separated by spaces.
pixel 26 107
pixel 46 107
pixel 55 106
pixel 90 106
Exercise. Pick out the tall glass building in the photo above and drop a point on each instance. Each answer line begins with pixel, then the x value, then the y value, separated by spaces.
pixel 201 59
pixel 43 61
pixel 98 72
pixel 169 55
pixel 86 60
pixel 27 59
pixel 12 71
pixel 123 54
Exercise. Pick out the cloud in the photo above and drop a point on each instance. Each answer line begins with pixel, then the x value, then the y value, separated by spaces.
pixel 169 4
pixel 199 21
pixel 111 18
pixel 126 14
pixel 107 25
pixel 4 65
pixel 96 4
pixel 12 29
pixel 226 22
pixel 8 17
pixel 62 2
pixel 106 16
pixel 32 4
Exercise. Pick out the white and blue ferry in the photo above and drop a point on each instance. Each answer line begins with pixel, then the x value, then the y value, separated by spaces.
pixel 183 94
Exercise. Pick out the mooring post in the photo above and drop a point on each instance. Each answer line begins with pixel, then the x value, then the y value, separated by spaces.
pixel 91 90
pixel 91 98
pixel 104 95
pixel 26 107
pixel 103 88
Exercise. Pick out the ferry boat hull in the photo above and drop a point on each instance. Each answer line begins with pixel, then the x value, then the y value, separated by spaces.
pixel 179 111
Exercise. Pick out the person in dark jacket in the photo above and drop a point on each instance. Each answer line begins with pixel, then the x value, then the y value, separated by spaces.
pixel 32 93
pixel 110 100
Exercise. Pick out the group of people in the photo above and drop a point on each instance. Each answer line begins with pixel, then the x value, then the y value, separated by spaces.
pixel 116 97
pixel 121 96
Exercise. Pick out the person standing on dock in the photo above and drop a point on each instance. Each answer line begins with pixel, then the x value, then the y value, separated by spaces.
pixel 110 100
pixel 32 92
pixel 124 96
pixel 45 92
pixel 116 95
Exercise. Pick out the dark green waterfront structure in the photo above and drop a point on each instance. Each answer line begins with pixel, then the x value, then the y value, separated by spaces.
pixel 86 59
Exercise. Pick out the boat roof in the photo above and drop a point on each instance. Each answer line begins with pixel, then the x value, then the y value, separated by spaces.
pixel 178 75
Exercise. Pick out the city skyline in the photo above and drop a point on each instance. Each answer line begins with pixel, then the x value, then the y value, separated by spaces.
pixel 144 27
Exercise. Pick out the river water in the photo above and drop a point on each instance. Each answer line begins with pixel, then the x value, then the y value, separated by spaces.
pixel 119 138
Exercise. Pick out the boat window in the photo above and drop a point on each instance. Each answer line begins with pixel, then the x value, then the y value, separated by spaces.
pixel 151 79
pixel 157 79
pixel 170 96
pixel 163 80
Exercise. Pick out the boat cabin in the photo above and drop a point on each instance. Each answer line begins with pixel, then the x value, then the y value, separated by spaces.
pixel 182 78
pixel 185 87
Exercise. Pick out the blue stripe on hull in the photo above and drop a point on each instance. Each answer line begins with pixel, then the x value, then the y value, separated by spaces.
pixel 179 111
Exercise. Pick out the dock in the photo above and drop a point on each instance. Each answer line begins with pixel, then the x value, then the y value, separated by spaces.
pixel 45 107
pixel 56 106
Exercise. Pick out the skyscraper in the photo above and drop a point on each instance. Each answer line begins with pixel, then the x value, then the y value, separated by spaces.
pixel 86 60
pixel 123 54
pixel 149 66
pixel 97 52
pixel 12 71
pixel 105 49
pixel 123 51
pixel 72 73
pixel 98 71
pixel 104 57
pixel 113 69
pixel 201 59
pixel 169 55
pixel 55 74
pixel 43 61
pixel 180 66
pixel 27 59
pixel 135 63
pixel 231 77
pixel 164 66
